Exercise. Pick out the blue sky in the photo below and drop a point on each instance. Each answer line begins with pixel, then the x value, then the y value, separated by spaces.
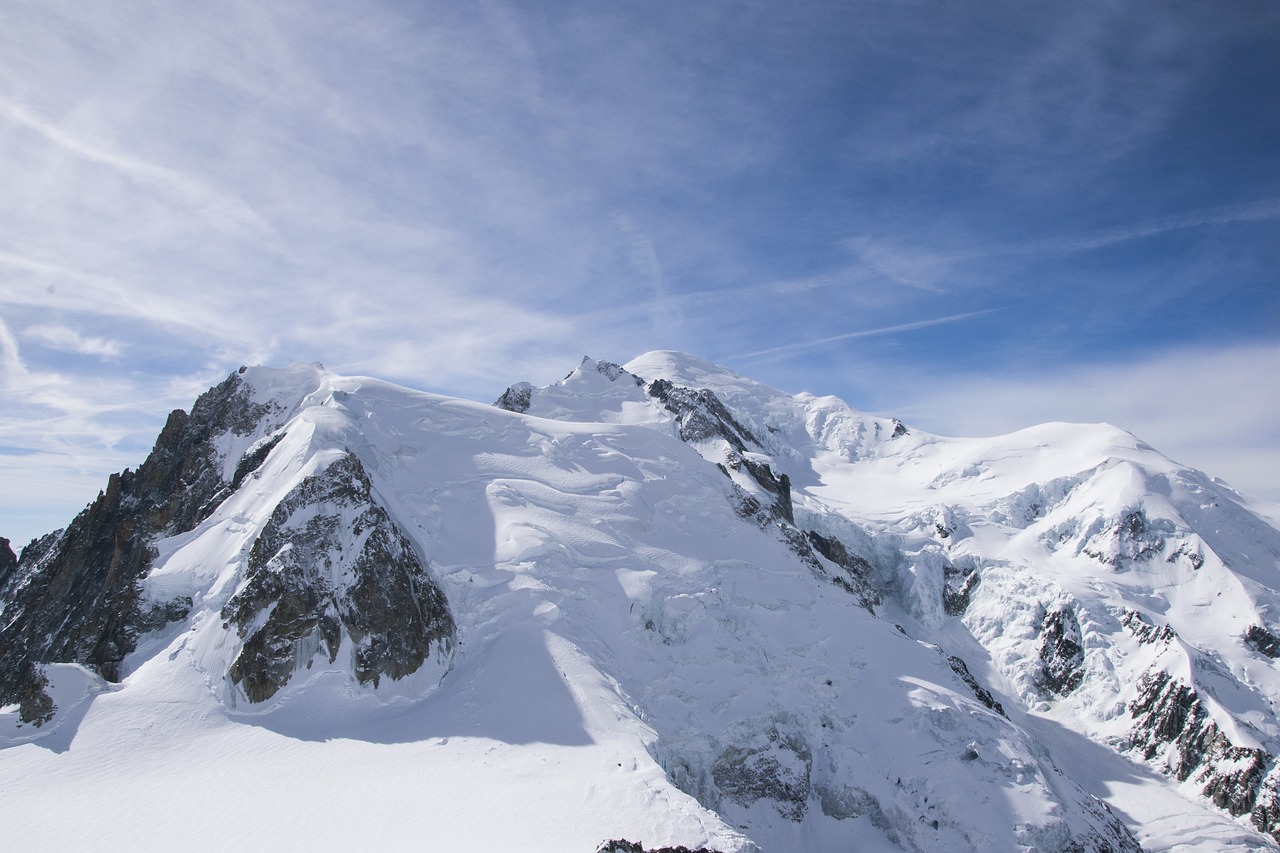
pixel 974 216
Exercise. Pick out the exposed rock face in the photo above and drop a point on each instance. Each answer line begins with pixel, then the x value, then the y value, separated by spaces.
pixel 777 485
pixel 75 596
pixel 777 769
pixel 517 398
pixel 8 562
pixel 1171 722
pixel 1262 641
pixel 957 590
pixel 1061 652
pixel 700 415
pixel 858 580
pixel 622 845
pixel 1144 631
pixel 1131 536
pixel 332 565
pixel 1266 806
pixel 960 668
pixel 1173 726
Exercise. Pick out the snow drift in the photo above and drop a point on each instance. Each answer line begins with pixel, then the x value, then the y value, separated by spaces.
pixel 656 602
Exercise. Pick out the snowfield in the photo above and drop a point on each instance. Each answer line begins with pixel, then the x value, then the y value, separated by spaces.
pixel 682 608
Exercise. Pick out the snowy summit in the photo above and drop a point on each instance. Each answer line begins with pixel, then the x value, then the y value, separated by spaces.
pixel 657 604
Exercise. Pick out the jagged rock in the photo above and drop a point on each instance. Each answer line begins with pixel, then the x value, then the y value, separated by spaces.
pixel 858 582
pixel 614 372
pixel 517 398
pixel 1129 537
pixel 32 697
pixel 1262 641
pixel 777 770
pixel 899 429
pixel 700 415
pixel 77 595
pixel 957 589
pixel 1190 552
pixel 1171 720
pixel 621 845
pixel 1266 806
pixel 960 668
pixel 8 562
pixel 253 459
pixel 778 485
pixel 1144 631
pixel 331 563
pixel 1061 651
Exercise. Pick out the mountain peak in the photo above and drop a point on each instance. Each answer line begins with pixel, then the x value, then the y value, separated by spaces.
pixel 736 617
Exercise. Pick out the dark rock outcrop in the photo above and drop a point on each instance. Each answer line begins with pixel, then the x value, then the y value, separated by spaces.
pixel 331 564
pixel 1144 631
pixel 1061 652
pixel 777 770
pixel 857 581
pixel 1131 536
pixel 960 668
pixel 76 596
pixel 1171 721
pixel 957 589
pixel 773 483
pixel 700 415
pixel 622 845
pixel 8 562
pixel 1266 806
pixel 1262 641
pixel 517 398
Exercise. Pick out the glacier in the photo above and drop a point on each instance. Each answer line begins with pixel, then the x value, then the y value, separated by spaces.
pixel 654 601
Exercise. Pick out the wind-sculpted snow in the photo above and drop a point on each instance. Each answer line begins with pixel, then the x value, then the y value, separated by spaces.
pixel 660 602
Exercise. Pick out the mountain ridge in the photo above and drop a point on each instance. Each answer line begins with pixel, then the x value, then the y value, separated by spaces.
pixel 755 598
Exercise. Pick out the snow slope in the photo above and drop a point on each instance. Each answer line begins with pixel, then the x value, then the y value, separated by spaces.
pixel 682 608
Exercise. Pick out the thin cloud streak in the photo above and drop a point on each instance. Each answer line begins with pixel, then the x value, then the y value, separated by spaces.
pixel 1258 211
pixel 225 210
pixel 788 349
pixel 459 198
pixel 927 269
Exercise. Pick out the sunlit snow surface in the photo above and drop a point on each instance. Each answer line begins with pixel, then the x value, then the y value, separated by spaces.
pixel 620 626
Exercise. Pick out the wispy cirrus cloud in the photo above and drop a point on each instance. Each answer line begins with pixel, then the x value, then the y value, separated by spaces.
pixel 66 339
pixel 219 207
pixel 791 349
pixel 460 196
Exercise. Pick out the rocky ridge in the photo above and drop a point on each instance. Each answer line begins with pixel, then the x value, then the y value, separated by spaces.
pixel 75 596
pixel 1074 614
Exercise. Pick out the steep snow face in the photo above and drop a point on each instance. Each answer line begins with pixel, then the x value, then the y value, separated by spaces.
pixel 666 603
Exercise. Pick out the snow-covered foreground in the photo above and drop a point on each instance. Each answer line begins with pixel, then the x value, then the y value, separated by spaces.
pixel 651 635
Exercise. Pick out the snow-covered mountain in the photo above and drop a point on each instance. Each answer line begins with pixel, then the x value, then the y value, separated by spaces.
pixel 656 602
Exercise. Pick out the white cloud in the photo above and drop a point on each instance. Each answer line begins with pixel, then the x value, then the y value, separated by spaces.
pixel 66 339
